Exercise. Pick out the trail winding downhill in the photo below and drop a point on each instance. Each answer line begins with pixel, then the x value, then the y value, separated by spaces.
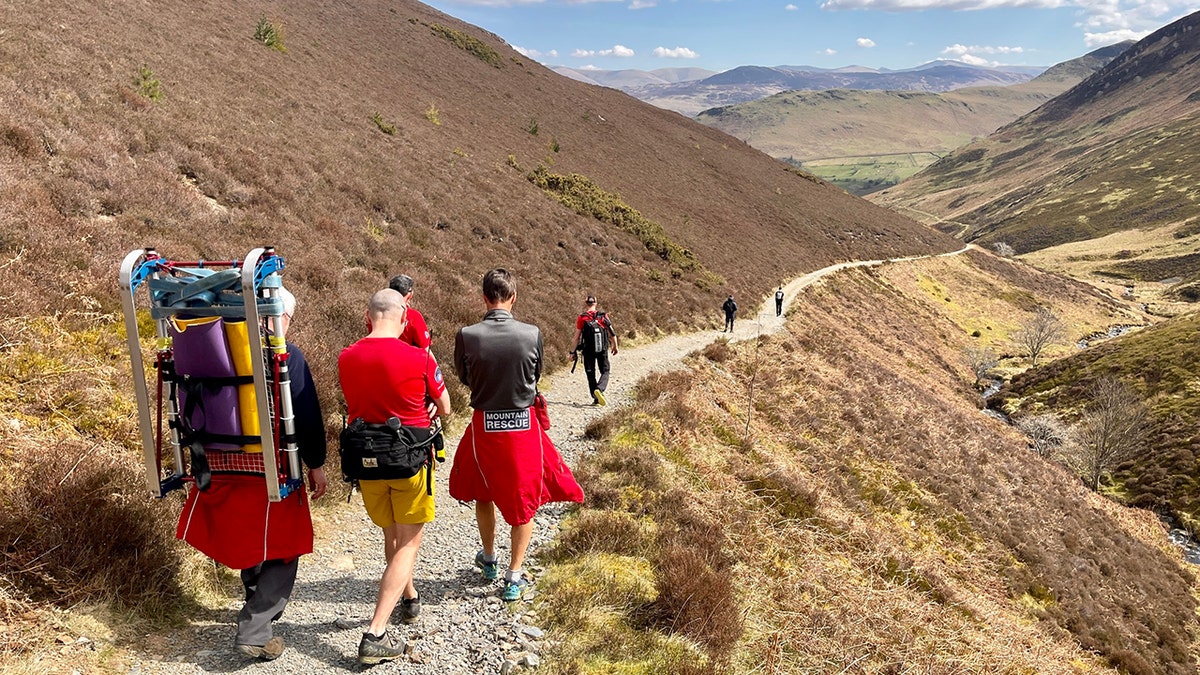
pixel 464 627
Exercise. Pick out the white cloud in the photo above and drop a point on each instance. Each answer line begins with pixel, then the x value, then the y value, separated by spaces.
pixel 971 53
pixel 976 60
pixel 535 54
pixel 791 8
pixel 865 42
pixel 1101 21
pixel 620 51
pixel 961 50
pixel 1112 37
pixel 642 4
pixel 828 52
pixel 589 67
pixel 676 53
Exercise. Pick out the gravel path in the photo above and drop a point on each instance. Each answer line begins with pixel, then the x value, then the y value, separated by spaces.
pixel 464 627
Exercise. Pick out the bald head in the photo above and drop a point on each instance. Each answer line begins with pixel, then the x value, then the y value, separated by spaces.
pixel 386 313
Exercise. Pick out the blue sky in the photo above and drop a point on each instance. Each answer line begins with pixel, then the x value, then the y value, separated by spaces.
pixel 722 34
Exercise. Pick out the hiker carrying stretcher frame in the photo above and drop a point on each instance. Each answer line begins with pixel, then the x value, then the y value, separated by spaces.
pixel 218 380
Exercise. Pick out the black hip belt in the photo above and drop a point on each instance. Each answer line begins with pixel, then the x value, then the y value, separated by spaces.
pixel 386 451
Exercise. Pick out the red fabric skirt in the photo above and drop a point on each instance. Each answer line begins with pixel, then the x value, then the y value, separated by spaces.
pixel 234 524
pixel 509 460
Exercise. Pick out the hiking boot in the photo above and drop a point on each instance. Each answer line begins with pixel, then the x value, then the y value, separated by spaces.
pixel 410 609
pixel 491 570
pixel 599 396
pixel 373 650
pixel 267 652
pixel 514 590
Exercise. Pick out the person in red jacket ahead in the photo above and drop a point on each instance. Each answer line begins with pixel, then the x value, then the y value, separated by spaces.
pixel 382 377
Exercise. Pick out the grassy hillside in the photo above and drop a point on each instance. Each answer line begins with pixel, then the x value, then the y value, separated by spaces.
pixel 362 140
pixel 1156 267
pixel 1113 153
pixel 832 500
pixel 850 137
pixel 1163 364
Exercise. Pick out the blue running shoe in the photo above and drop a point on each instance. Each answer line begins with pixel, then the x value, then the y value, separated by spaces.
pixel 491 570
pixel 514 590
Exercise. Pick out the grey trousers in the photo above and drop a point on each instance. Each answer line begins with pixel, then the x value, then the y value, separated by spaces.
pixel 268 587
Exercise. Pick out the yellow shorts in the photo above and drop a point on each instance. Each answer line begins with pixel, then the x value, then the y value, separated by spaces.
pixel 400 500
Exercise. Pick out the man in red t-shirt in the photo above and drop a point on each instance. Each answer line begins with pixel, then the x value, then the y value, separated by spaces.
pixel 416 332
pixel 381 377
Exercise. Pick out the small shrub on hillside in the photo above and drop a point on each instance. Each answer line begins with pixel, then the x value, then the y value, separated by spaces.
pixel 269 34
pixel 1188 229
pixel 554 147
pixel 472 45
pixel 22 140
pixel 805 175
pixel 604 531
pixel 783 492
pixel 696 600
pixel 718 351
pixel 533 127
pixel 146 85
pixel 434 115
pixel 385 127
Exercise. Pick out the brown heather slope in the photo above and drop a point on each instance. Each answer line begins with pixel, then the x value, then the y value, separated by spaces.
pixel 1113 153
pixel 249 145
pixel 869 517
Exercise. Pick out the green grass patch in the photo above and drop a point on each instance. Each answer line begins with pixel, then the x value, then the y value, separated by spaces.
pixel 468 43
pixel 870 173
pixel 385 127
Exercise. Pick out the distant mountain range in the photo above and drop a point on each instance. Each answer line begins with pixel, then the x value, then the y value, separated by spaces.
pixel 691 90
pixel 867 140
pixel 1115 152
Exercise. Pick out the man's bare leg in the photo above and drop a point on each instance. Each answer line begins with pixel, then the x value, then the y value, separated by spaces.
pixel 485 517
pixel 401 541
pixel 521 536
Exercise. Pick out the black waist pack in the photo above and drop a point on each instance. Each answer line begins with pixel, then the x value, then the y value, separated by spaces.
pixel 384 451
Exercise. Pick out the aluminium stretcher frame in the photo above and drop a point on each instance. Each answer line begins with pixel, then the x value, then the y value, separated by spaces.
pixel 261 264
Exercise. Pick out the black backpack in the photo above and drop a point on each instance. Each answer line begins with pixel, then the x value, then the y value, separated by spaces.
pixel 594 339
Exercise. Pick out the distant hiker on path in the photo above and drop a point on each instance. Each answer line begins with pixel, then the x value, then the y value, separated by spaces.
pixel 233 523
pixel 505 459
pixel 416 331
pixel 779 301
pixel 730 308
pixel 386 382
pixel 594 336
